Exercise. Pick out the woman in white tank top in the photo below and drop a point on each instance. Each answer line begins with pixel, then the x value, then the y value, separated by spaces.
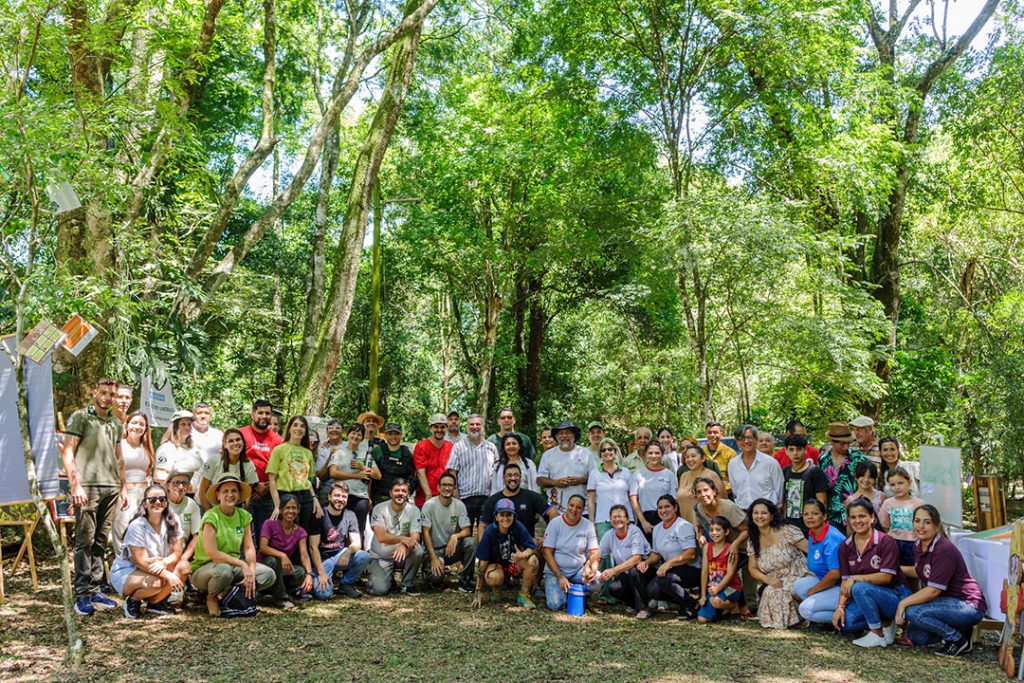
pixel 136 447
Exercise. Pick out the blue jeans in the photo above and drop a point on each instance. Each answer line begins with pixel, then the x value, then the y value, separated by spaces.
pixel 818 607
pixel 871 604
pixel 554 596
pixel 710 612
pixel 356 564
pixel 945 617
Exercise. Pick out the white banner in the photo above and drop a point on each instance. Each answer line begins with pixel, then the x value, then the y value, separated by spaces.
pixel 157 402
pixel 942 482
pixel 38 380
pixel 13 478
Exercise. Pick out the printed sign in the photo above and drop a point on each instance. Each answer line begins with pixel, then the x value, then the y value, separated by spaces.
pixel 157 402
pixel 78 334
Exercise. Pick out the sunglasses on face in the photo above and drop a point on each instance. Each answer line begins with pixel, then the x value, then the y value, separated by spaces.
pixel 177 483
pixel 157 500
pixel 607 450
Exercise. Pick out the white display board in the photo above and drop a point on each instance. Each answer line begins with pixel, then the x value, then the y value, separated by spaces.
pixel 157 402
pixel 942 482
pixel 13 478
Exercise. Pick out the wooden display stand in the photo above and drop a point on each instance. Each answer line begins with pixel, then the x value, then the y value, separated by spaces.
pixel 989 501
pixel 22 516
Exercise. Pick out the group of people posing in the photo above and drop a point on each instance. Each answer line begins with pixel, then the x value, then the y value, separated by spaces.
pixel 835 537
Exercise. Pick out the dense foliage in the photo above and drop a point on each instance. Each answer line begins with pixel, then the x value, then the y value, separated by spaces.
pixel 649 212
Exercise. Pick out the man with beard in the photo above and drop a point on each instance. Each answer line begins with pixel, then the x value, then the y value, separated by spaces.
pixel 564 469
pixel 396 542
pixel 430 456
pixel 260 440
pixel 529 506
pixel 447 535
pixel 474 460
pixel 95 471
pixel 507 425
pixel 335 549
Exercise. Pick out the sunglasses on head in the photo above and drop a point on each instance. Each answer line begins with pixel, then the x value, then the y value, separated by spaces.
pixel 156 500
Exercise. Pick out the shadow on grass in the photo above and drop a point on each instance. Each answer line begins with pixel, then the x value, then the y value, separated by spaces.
pixel 440 637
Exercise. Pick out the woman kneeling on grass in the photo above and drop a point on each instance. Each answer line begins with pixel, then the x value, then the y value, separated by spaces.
pixel 145 568
pixel 624 546
pixel 819 593
pixel 950 602
pixel 777 560
pixel 226 534
pixel 873 585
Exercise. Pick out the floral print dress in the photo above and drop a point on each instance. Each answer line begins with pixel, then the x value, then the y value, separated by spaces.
pixel 778 607
pixel 841 483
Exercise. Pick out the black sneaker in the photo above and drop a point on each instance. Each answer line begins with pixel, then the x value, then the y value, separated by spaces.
pixel 952 648
pixel 349 591
pixel 161 609
pixel 132 608
pixel 466 586
pixel 410 590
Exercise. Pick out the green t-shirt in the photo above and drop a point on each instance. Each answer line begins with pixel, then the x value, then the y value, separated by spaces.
pixel 444 521
pixel 96 455
pixel 293 467
pixel 230 533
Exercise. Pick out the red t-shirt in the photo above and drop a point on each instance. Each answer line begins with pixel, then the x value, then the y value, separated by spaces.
pixel 258 447
pixel 782 457
pixel 435 461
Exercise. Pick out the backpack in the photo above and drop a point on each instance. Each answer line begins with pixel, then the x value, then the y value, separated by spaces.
pixel 236 604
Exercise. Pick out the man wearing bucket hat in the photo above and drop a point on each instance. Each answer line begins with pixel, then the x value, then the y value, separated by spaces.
pixel 225 554
pixel 430 457
pixel 838 464
pixel 506 549
pixel 865 439
pixel 564 469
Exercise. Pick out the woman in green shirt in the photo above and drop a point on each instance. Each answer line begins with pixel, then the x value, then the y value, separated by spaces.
pixel 291 470
pixel 226 536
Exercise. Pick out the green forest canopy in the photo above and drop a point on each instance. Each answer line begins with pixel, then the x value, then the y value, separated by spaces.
pixel 648 211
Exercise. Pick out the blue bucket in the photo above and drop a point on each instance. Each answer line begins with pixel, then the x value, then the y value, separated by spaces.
pixel 576 601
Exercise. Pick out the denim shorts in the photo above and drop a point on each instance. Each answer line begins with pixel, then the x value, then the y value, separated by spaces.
pixel 119 575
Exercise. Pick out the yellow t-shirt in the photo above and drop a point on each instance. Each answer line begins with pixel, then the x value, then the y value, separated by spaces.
pixel 293 467
pixel 721 457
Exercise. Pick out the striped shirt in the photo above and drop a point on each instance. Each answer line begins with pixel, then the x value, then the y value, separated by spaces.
pixel 475 464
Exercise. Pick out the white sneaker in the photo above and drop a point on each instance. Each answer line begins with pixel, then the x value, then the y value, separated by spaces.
pixel 890 633
pixel 662 605
pixel 869 639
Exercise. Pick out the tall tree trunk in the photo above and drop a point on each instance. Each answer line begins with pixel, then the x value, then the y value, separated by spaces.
pixel 315 376
pixel 492 311
pixel 317 276
pixel 530 393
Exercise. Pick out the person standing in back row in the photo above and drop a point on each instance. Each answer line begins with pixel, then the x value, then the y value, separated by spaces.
pixel 565 469
pixel 430 456
pixel 718 452
pixel 96 480
pixel 260 441
pixel 474 460
pixel 507 425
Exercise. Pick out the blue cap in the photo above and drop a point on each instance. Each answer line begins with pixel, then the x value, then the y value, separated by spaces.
pixel 505 505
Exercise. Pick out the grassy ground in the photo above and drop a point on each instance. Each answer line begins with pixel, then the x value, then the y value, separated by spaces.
pixel 438 637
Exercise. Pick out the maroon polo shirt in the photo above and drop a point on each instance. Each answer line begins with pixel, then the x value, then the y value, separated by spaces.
pixel 881 554
pixel 942 566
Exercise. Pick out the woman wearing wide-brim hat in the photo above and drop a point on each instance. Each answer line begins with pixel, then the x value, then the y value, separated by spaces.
pixel 225 536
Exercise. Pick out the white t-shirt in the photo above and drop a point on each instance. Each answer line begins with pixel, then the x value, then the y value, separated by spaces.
pixel 570 542
pixel 621 549
pixel 136 463
pixel 650 485
pixel 342 459
pixel 672 541
pixel 556 463
pixel 528 481
pixel 189 515
pixel 141 534
pixel 404 523
pixel 611 490
pixel 171 458
pixel 208 442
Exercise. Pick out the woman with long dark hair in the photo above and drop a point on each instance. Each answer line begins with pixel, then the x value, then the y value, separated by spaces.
pixel 776 559
pixel 891 452
pixel 290 470
pixel 231 458
pixel 873 584
pixel 144 570
pixel 137 453
pixel 950 601
pixel 511 449
pixel 674 559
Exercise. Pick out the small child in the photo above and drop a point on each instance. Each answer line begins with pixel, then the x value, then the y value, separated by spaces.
pixel 866 474
pixel 720 586
pixel 897 514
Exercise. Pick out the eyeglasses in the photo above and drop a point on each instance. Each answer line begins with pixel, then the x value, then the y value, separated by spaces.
pixel 177 482
pixel 157 500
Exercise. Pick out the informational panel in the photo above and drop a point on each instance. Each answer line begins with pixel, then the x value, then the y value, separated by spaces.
pixel 38 380
pixel 942 482
pixel 13 478
pixel 157 402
